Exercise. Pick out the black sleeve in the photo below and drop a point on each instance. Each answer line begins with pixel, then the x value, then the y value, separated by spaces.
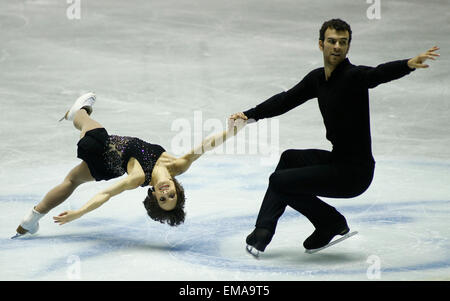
pixel 285 101
pixel 373 76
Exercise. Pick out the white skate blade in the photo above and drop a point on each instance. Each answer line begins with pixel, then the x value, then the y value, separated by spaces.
pixel 252 251
pixel 350 234
pixel 64 117
pixel 17 235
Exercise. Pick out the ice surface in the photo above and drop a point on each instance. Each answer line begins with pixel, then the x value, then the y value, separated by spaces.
pixel 156 63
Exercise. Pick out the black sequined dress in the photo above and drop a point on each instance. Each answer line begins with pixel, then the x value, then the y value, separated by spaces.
pixel 107 155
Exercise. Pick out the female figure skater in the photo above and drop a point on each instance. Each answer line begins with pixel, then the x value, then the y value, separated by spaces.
pixel 109 156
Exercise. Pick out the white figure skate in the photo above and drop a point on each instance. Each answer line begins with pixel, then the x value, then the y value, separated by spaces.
pixel 84 101
pixel 29 224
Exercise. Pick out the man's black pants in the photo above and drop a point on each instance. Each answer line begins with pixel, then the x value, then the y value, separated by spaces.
pixel 303 175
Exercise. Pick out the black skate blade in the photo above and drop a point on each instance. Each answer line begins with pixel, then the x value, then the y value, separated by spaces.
pixel 348 235
pixel 252 251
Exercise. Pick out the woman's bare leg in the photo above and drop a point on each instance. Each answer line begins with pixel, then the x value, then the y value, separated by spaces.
pixel 83 122
pixel 77 176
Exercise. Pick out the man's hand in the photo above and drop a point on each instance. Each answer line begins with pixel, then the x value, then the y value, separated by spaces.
pixel 418 61
pixel 239 115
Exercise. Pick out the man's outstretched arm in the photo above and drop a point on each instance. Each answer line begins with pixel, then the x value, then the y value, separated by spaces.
pixel 374 76
pixel 282 102
pixel 418 61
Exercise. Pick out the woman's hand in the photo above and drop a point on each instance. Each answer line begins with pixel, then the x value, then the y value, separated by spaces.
pixel 236 124
pixel 418 61
pixel 66 216
pixel 238 115
pixel 211 142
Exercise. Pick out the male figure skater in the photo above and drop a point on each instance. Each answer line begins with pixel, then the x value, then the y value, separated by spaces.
pixel 301 176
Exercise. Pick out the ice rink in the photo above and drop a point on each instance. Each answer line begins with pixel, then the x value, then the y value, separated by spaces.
pixel 165 69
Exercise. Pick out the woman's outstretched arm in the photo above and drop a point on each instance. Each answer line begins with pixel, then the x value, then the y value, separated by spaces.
pixel 234 126
pixel 135 178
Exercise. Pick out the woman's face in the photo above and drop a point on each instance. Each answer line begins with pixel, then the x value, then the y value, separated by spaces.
pixel 165 194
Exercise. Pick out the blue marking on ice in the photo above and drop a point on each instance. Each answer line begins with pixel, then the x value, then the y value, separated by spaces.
pixel 20 198
pixel 100 242
pixel 415 163
pixel 253 187
pixel 384 219
pixel 198 241
pixel 205 248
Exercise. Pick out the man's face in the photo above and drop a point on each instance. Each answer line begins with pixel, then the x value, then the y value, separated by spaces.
pixel 335 46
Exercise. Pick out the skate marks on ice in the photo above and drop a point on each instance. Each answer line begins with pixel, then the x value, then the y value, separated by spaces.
pixel 91 240
pixel 402 234
pixel 223 243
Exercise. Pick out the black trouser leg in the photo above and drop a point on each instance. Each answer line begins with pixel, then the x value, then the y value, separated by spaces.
pixel 273 204
pixel 301 176
pixel 272 208
pixel 276 198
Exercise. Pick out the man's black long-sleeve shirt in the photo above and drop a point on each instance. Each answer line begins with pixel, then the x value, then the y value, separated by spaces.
pixel 344 104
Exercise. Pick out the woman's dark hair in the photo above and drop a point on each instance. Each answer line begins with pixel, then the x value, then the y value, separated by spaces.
pixel 336 24
pixel 173 217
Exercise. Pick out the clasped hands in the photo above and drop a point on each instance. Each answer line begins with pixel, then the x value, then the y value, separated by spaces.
pixel 236 122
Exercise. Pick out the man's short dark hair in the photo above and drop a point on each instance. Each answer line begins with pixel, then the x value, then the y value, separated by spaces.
pixel 336 24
